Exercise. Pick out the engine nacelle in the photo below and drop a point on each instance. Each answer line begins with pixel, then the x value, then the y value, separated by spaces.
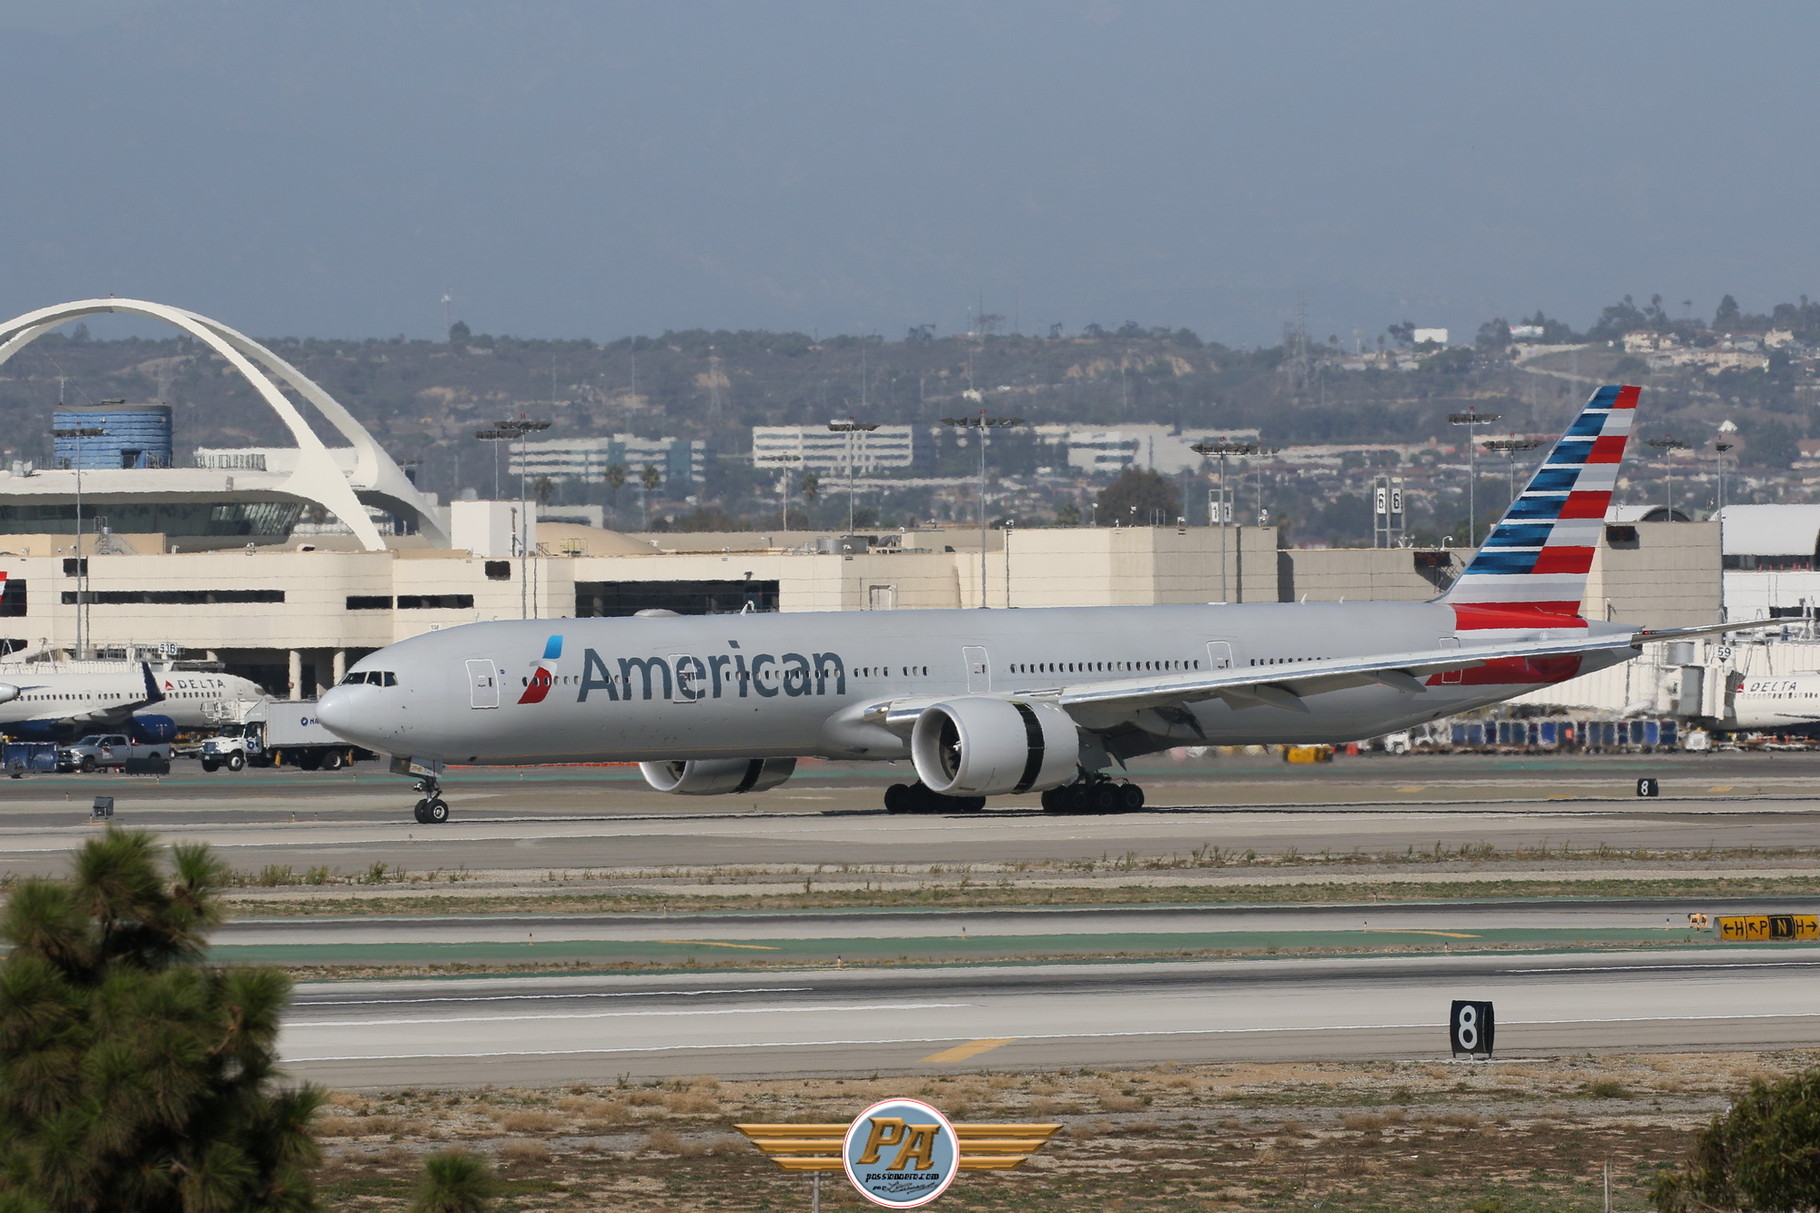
pixel 979 746
pixel 152 730
pixel 717 776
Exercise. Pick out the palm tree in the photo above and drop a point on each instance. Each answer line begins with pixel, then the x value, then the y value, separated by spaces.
pixel 650 478
pixel 133 1075
pixel 454 1181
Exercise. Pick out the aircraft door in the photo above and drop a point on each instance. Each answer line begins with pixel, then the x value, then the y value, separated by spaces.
pixel 1219 655
pixel 691 676
pixel 979 669
pixel 483 683
pixel 1451 677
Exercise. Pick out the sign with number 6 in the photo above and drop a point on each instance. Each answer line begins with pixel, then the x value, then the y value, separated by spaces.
pixel 1470 1027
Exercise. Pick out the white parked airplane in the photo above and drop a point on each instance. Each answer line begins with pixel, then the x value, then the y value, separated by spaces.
pixel 54 702
pixel 986 703
pixel 1788 702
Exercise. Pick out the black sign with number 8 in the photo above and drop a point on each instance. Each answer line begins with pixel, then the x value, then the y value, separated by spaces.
pixel 1470 1027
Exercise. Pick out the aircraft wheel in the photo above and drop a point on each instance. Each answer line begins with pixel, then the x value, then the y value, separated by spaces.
pixel 900 799
pixel 436 811
pixel 422 812
pixel 1131 797
pixel 334 760
pixel 1105 798
pixel 966 804
pixel 236 762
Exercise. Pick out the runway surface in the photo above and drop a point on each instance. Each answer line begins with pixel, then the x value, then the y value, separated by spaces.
pixel 535 1031
pixel 905 991
pixel 605 818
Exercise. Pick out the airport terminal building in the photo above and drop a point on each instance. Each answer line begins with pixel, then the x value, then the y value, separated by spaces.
pixel 288 564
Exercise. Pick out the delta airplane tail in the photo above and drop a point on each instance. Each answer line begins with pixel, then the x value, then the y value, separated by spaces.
pixel 1537 556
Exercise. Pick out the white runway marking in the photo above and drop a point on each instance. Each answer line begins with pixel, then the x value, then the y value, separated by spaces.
pixel 392 1002
pixel 675 1014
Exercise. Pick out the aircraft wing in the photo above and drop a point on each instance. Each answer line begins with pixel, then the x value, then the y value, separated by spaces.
pixel 1657 635
pixel 1286 685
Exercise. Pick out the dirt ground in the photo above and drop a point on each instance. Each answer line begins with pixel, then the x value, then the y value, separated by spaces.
pixel 1473 1137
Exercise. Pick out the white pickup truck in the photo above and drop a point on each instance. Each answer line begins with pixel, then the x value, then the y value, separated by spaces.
pixel 278 732
pixel 99 751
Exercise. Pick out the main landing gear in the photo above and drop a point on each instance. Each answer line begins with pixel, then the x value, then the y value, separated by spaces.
pixel 917 798
pixel 1094 793
pixel 432 810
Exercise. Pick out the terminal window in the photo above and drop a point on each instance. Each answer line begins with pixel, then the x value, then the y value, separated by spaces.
pixel 597 599
pixel 12 598
pixel 499 570
pixel 435 602
pixel 173 597
pixel 369 602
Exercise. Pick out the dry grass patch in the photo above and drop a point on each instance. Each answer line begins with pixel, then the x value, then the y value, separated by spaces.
pixel 529 1120
pixel 523 1151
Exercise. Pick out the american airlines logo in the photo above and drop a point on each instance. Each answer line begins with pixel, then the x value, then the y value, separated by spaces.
pixel 686 677
pixel 543 674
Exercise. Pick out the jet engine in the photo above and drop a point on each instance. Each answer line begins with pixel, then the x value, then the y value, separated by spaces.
pixel 8 692
pixel 717 776
pixel 978 746
pixel 152 730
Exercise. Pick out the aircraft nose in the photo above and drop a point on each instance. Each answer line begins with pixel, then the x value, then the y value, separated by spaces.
pixel 339 713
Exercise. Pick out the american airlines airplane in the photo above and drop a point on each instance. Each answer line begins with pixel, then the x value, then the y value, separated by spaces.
pixel 56 702
pixel 999 702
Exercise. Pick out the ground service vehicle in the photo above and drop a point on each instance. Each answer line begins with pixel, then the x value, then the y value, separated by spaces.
pixel 99 751
pixel 278 733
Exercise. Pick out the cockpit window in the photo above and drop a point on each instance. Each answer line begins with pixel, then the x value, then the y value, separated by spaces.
pixel 378 678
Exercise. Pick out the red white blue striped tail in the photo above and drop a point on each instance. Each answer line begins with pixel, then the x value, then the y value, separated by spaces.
pixel 1536 558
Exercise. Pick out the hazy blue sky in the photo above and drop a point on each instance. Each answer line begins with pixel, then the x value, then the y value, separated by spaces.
pixel 597 169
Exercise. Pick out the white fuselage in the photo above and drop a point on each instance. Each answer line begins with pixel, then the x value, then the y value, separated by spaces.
pixel 1786 702
pixel 78 694
pixel 812 684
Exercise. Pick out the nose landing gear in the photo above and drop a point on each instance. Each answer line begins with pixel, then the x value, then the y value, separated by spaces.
pixel 432 810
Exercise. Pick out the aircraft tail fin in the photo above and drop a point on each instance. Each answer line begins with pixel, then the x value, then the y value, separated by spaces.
pixel 1537 556
pixel 152 692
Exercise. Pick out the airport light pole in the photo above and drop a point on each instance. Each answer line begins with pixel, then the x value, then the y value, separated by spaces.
pixel 1222 451
pixel 514 430
pixel 79 433
pixel 852 429
pixel 1668 444
pixel 1508 447
pixel 982 423
pixel 1719 449
pixel 1470 418
pixel 782 460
